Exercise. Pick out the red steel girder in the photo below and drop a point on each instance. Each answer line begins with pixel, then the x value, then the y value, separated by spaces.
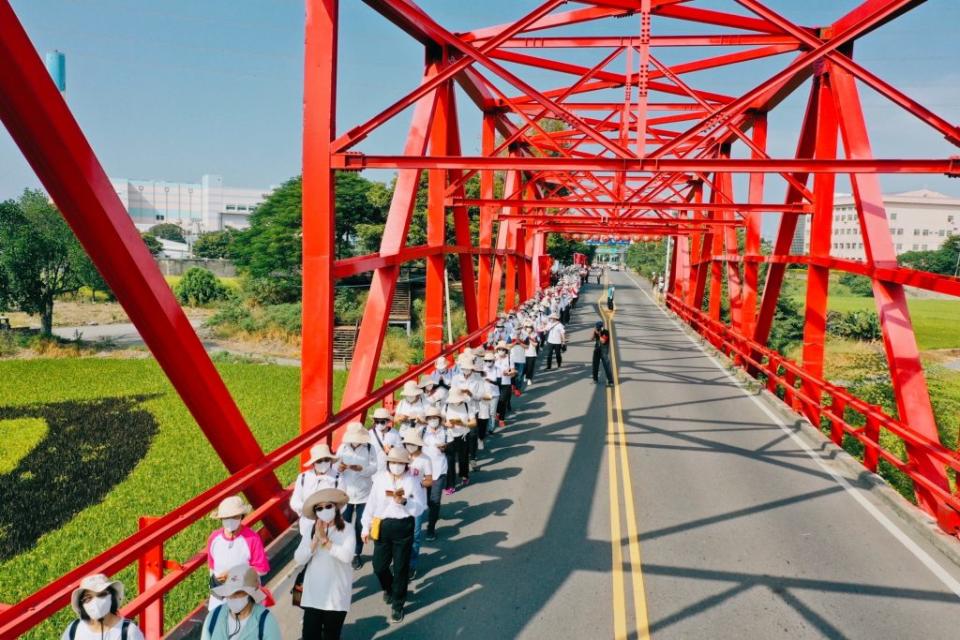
pixel 546 203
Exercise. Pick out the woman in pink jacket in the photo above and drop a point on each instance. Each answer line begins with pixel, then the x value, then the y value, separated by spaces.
pixel 233 544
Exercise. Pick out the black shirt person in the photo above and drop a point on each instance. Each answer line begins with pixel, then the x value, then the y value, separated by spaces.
pixel 601 353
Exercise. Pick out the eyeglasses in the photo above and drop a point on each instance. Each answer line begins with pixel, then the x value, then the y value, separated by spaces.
pixel 380 421
pixel 322 507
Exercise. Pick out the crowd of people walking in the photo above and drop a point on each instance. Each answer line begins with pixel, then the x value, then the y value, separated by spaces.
pixel 378 495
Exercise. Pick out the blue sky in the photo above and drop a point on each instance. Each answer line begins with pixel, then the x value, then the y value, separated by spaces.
pixel 174 89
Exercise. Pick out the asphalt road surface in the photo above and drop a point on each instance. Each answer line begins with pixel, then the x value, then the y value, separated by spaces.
pixel 725 524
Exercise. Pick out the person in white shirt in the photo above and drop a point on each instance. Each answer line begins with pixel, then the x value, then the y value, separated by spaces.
pixel 504 372
pixel 325 556
pixel 492 394
pixel 411 401
pixel 395 502
pixel 383 438
pixel 409 422
pixel 422 468
pixel 556 339
pixel 518 360
pixel 530 352
pixel 96 602
pixel 358 463
pixel 442 373
pixel 321 473
pixel 471 385
pixel 460 418
pixel 435 439
pixel 433 394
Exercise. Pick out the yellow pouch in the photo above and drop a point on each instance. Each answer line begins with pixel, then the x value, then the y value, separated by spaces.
pixel 375 529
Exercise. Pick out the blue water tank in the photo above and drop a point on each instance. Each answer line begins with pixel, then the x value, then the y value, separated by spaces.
pixel 57 66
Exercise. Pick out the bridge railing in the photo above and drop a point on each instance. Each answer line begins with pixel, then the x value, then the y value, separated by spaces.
pixel 831 407
pixel 157 576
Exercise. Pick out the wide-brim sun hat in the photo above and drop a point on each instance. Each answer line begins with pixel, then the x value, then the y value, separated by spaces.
pixel 244 578
pixel 456 397
pixel 96 583
pixel 323 496
pixel 427 381
pixel 442 363
pixel 231 507
pixel 411 389
pixel 356 434
pixel 489 356
pixel 398 454
pixel 319 452
pixel 432 412
pixel 382 414
pixel 502 345
pixel 467 365
pixel 412 437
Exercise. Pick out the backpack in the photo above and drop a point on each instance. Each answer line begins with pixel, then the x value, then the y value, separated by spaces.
pixel 124 625
pixel 261 623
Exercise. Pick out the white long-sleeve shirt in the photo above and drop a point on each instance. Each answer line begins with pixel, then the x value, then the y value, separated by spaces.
pixel 389 440
pixel 433 440
pixel 328 580
pixel 380 505
pixel 463 414
pixel 308 483
pixel 356 484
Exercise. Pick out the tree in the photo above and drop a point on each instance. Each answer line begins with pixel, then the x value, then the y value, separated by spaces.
pixel 168 231
pixel 561 249
pixel 153 245
pixel 215 245
pixel 40 258
pixel 943 260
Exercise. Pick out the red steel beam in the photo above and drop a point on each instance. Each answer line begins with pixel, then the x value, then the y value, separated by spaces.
pixel 42 126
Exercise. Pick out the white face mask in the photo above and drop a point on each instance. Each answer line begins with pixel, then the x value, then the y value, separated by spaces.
pixel 322 467
pixel 327 515
pixel 412 448
pixel 231 524
pixel 99 607
pixel 236 605
pixel 434 422
pixel 397 468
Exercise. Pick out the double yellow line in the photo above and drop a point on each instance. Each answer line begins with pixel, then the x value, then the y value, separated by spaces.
pixel 616 435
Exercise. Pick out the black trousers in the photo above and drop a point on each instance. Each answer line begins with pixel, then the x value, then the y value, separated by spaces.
pixel 530 367
pixel 503 404
pixel 471 440
pixel 482 425
pixel 457 453
pixel 610 304
pixel 598 357
pixel 322 625
pixel 357 526
pixel 394 546
pixel 554 349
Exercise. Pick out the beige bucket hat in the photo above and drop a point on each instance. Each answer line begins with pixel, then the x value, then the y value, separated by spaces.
pixel 244 578
pixel 382 414
pixel 323 496
pixel 231 507
pixel 503 345
pixel 456 397
pixel 319 452
pixel 398 454
pixel 411 389
pixel 432 412
pixel 97 583
pixel 412 437
pixel 356 434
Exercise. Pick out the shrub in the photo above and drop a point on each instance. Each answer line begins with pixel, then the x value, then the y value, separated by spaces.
pixel 199 287
pixel 858 285
pixel 266 291
pixel 348 304
pixel 855 325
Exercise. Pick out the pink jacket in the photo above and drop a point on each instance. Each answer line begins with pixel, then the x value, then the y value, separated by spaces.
pixel 258 557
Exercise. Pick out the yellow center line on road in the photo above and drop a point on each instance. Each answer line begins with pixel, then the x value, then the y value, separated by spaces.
pixel 617 435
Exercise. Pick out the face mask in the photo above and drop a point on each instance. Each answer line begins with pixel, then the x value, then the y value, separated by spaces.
pixel 433 422
pixel 99 607
pixel 327 515
pixel 231 524
pixel 236 605
pixel 322 467
pixel 412 448
pixel 397 468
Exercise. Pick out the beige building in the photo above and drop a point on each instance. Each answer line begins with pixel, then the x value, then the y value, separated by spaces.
pixel 919 221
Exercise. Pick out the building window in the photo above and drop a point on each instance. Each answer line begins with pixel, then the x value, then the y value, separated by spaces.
pixel 926 232
pixel 160 217
pixel 942 232
pixel 916 232
pixel 899 246
pixel 899 232
pixel 231 207
pixel 893 216
pixel 924 247
pixel 949 218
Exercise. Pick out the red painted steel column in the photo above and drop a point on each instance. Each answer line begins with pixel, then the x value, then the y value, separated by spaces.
pixel 376 312
pixel 41 124
pixel 436 228
pixel 485 262
pixel 319 212
pixel 715 238
pixel 903 356
pixel 149 573
pixel 821 238
pixel 752 245
pixel 730 247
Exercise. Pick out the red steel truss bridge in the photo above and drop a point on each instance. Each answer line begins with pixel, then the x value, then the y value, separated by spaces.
pixel 749 525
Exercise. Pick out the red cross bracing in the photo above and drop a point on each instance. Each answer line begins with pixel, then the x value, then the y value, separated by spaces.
pixel 613 142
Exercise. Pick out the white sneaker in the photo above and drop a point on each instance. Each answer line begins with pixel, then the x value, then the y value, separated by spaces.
pixel 480 445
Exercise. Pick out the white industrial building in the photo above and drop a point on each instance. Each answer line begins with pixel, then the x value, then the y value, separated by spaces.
pixel 919 221
pixel 198 207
